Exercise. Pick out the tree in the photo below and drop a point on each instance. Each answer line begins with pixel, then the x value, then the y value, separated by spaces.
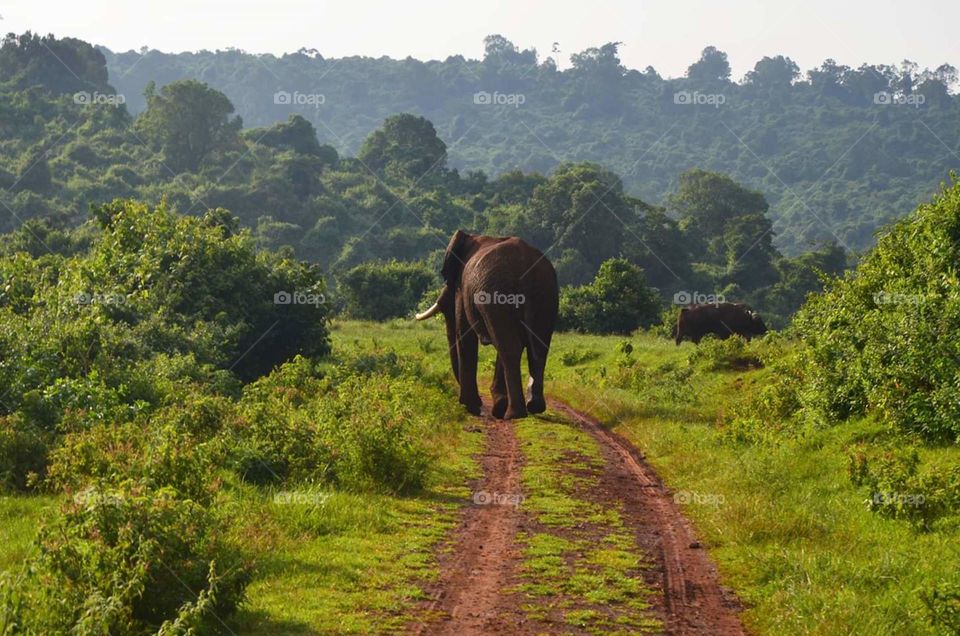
pixel 749 251
pixel 500 52
pixel 660 248
pixel 828 79
pixel 773 72
pixel 868 80
pixel 711 67
pixel 617 301
pixel 598 81
pixel 800 276
pixel 582 207
pixel 706 201
pixel 296 134
pixel 602 62
pixel 380 291
pixel 405 148
pixel 188 121
pixel 33 173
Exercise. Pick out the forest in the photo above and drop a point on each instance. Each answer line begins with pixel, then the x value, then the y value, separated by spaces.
pixel 72 143
pixel 218 416
pixel 838 151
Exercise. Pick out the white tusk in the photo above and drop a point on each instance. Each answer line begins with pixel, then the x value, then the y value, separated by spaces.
pixel 430 312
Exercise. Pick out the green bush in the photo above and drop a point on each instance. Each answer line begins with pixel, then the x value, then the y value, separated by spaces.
pixel 733 353
pixel 943 606
pixel 359 428
pixel 617 301
pixel 667 383
pixel 129 560
pixel 380 291
pixel 880 339
pixel 900 488
pixel 159 455
pixel 576 357
pixel 23 453
pixel 191 270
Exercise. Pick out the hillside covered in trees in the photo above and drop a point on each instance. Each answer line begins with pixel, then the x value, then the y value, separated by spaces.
pixel 203 430
pixel 838 151
pixel 72 143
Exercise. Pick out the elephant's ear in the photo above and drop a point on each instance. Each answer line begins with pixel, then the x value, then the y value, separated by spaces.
pixel 455 258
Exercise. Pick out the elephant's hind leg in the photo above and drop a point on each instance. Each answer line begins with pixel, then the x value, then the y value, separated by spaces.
pixel 516 406
pixel 498 391
pixel 536 365
pixel 510 351
pixel 537 348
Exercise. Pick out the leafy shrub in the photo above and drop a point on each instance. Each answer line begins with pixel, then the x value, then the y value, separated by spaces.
pixel 159 455
pixel 879 340
pixel 668 322
pixel 943 606
pixel 380 291
pixel 378 426
pixel 129 560
pixel 206 270
pixel 577 356
pixel 617 301
pixel 729 354
pixel 363 427
pixel 899 489
pixel 23 453
pixel 666 383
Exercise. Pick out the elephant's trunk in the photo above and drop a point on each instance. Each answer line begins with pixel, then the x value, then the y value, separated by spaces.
pixel 430 312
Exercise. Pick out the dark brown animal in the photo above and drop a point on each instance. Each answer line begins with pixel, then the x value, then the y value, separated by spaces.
pixel 722 320
pixel 498 291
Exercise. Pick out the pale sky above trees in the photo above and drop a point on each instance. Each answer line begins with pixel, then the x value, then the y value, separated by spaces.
pixel 667 34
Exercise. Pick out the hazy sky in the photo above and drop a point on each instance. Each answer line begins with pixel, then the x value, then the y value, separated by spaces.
pixel 665 34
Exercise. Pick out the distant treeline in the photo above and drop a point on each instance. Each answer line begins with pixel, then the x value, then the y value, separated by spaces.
pixel 838 151
pixel 72 143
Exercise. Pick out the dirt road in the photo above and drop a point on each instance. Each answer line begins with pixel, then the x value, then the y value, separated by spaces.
pixel 478 589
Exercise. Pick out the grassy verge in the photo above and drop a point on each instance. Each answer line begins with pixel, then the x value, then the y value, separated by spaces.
pixel 581 566
pixel 789 530
pixel 340 563
pixel 349 563
pixel 19 517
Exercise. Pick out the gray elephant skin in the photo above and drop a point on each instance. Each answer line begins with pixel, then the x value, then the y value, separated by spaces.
pixel 500 291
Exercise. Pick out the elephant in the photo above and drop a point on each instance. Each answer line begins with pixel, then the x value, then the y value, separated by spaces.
pixel 500 291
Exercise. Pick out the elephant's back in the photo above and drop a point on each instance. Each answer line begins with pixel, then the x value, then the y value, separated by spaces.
pixel 515 266
pixel 514 253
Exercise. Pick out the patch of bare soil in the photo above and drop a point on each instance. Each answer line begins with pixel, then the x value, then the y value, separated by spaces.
pixel 694 601
pixel 473 593
pixel 469 596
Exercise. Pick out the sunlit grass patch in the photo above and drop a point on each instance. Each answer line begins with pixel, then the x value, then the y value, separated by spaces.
pixel 581 565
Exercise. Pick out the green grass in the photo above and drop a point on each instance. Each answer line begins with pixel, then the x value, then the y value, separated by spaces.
pixel 20 517
pixel 788 529
pixel 358 578
pixel 354 563
pixel 581 565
